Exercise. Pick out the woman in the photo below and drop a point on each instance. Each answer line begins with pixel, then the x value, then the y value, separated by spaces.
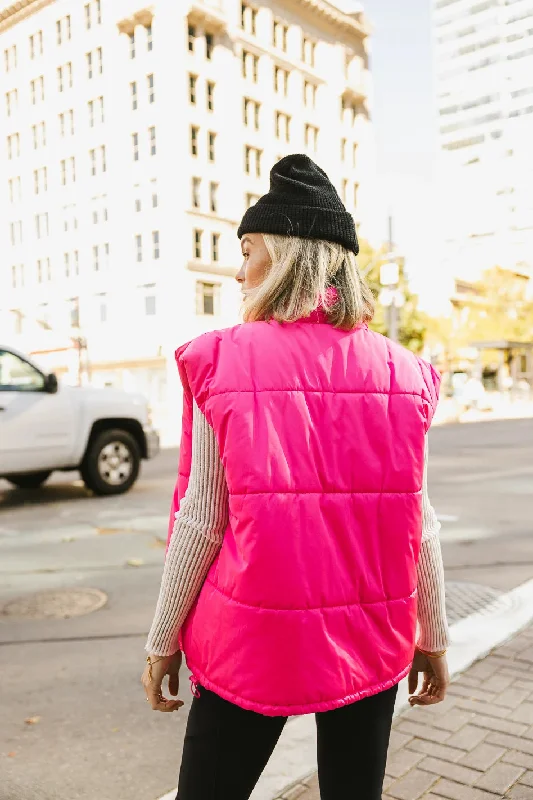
pixel 304 524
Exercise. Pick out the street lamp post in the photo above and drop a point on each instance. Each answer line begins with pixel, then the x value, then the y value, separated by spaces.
pixel 391 297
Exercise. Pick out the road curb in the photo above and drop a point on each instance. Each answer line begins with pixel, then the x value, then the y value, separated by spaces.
pixel 472 639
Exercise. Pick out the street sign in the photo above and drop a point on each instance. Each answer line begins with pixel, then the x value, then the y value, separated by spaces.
pixel 389 274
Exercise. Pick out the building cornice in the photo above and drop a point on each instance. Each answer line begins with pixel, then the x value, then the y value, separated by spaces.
pixel 16 12
pixel 348 22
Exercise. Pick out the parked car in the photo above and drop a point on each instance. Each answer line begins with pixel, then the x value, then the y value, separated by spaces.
pixel 46 426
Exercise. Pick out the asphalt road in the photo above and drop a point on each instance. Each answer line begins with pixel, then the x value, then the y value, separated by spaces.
pixel 93 736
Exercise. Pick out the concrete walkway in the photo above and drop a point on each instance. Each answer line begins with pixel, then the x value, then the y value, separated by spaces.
pixel 477 745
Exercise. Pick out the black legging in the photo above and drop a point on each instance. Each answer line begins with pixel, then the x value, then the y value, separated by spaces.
pixel 226 749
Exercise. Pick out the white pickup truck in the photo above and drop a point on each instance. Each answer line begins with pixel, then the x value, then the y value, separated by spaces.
pixel 44 426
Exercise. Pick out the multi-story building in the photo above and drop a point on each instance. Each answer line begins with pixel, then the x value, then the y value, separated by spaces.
pixel 134 139
pixel 484 71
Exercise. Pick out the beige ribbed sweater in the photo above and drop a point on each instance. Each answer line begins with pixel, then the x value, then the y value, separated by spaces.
pixel 199 531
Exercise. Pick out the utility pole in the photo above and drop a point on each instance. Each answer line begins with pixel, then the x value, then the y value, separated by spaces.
pixel 390 296
pixel 393 310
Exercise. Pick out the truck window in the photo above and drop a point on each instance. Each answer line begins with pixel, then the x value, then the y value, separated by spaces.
pixel 16 375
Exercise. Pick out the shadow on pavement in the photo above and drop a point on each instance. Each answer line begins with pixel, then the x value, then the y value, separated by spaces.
pixel 55 493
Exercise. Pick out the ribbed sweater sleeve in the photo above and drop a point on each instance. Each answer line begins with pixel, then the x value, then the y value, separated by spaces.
pixel 196 539
pixel 433 634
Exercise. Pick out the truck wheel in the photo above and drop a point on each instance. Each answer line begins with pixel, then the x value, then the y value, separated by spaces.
pixel 31 480
pixel 112 462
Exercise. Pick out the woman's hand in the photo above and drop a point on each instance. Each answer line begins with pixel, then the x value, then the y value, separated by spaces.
pixel 152 680
pixel 435 683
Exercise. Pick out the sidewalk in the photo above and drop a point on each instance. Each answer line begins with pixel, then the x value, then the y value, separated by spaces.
pixel 477 745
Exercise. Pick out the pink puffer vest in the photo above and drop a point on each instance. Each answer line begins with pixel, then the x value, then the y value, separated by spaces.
pixel 311 603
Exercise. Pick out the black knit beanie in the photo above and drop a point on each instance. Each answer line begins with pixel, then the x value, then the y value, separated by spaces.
pixel 302 201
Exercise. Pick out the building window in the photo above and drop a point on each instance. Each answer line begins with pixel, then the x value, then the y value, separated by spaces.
pixel 90 105
pixel 283 123
pixel 135 143
pixel 37 90
pixel 13 146
pixel 149 38
pixel 89 60
pixel 63 166
pixel 213 192
pixel 41 225
pixel 36 45
pixel 194 140
pixel 343 149
pixel 74 313
pixel 66 258
pixel 64 118
pixel 103 310
pixel 131 37
pixel 88 16
pixel 151 89
pixel 137 203
pixel 40 180
pixel 196 184
pixel 100 57
pixel 311 137
pixel 155 244
pixel 215 241
pixel 281 81
pixel 205 298
pixel 354 156
pixel 14 190
pixel 92 156
pixel 197 243
pixel 252 161
pixel 211 140
pixel 103 162
pixel 12 99
pixel 96 258
pixel 251 199
pixel 210 96
pixel 138 247
pixel 150 305
pixel 10 58
pixel 209 46
pixel 310 90
pixel 63 30
pixel 280 32
pixel 308 51
pixel 16 232
pixel 133 91
pixel 250 66
pixel 249 19
pixel 344 191
pixel 251 111
pixel 153 145
pixel 154 193
pixel 192 38
pixel 192 89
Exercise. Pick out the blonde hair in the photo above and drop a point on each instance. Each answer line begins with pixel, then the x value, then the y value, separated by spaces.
pixel 301 277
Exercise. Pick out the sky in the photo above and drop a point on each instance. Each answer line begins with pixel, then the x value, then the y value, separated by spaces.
pixel 405 127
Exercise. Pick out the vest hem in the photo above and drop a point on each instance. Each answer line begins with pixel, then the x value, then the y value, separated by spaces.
pixel 297 709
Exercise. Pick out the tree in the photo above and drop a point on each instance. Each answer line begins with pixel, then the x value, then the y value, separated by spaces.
pixel 412 322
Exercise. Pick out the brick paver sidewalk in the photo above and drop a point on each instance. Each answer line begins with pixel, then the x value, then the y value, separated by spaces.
pixel 477 745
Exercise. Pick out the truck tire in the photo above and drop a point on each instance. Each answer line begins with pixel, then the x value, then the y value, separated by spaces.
pixel 30 480
pixel 112 462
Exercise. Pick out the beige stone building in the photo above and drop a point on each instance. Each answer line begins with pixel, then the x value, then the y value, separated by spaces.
pixel 134 137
